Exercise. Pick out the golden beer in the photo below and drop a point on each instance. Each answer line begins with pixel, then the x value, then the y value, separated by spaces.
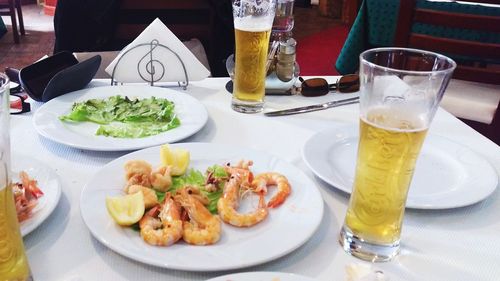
pixel 250 65
pixel 13 261
pixel 387 153
pixel 250 62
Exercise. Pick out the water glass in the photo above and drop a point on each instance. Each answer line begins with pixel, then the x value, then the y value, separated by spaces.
pixel 13 261
pixel 253 20
pixel 400 90
pixel 283 20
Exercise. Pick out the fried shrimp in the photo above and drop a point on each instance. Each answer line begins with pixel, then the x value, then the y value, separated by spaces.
pixel 138 172
pixel 162 226
pixel 196 193
pixel 26 194
pixel 262 181
pixel 203 228
pixel 161 179
pixel 242 169
pixel 150 198
pixel 228 204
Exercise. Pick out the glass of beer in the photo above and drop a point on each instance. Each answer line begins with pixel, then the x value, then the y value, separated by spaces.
pixel 253 20
pixel 13 261
pixel 400 90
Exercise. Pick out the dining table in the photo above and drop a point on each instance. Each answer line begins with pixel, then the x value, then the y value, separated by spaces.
pixel 456 243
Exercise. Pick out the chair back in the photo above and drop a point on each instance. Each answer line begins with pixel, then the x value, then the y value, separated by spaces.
pixel 472 40
pixel 187 19
pixel 478 59
pixel 8 8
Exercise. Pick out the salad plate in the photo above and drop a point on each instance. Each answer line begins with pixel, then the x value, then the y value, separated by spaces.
pixel 48 182
pixel 447 174
pixel 262 276
pixel 300 214
pixel 190 111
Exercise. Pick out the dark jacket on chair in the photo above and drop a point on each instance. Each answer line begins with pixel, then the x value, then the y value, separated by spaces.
pixel 89 25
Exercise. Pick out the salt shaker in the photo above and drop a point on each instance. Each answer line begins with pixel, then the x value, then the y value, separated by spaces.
pixel 286 60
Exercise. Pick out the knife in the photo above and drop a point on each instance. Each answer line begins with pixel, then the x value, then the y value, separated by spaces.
pixel 310 108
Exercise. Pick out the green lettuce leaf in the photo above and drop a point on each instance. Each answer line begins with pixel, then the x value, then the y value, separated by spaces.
pixel 191 177
pixel 121 117
pixel 218 171
pixel 213 198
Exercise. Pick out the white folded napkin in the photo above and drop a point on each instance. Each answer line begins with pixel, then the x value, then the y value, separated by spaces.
pixel 127 71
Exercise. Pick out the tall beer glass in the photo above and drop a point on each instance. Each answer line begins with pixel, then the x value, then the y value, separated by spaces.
pixel 13 261
pixel 253 20
pixel 400 91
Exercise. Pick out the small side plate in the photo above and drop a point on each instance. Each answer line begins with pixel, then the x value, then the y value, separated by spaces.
pixel 47 180
pixel 447 174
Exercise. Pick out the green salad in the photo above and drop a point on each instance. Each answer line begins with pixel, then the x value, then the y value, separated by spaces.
pixel 122 117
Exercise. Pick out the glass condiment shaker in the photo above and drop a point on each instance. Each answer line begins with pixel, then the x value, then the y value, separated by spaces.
pixel 286 60
pixel 283 20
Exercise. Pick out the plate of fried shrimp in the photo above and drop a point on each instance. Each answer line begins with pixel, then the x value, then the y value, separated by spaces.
pixel 226 212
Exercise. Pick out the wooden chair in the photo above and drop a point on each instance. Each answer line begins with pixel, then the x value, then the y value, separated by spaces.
pixel 477 61
pixel 350 11
pixel 8 8
pixel 187 19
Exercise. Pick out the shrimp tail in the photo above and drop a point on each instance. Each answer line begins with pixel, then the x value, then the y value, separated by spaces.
pixel 262 181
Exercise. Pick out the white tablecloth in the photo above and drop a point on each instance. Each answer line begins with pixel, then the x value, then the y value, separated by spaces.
pixel 456 244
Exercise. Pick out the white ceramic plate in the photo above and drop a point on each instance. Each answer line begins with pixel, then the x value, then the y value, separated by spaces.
pixel 447 174
pixel 262 276
pixel 191 112
pixel 48 182
pixel 299 215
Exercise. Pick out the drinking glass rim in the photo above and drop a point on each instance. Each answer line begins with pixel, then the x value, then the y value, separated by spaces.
pixel 6 82
pixel 452 67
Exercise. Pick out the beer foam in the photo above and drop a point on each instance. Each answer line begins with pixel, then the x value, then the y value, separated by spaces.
pixel 254 24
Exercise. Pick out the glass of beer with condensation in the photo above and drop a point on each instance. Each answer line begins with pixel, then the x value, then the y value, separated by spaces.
pixel 13 261
pixel 400 90
pixel 253 20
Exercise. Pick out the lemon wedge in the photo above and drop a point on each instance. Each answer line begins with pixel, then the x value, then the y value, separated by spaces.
pixel 126 210
pixel 177 158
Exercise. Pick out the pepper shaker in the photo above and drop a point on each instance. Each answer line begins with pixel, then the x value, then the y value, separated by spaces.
pixel 286 60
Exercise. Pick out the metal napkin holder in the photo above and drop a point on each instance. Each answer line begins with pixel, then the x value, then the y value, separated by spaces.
pixel 148 72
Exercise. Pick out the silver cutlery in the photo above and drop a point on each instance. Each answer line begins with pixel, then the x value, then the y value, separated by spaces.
pixel 310 108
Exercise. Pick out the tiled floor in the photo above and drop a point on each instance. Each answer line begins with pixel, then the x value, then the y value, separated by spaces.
pixel 38 41
pixel 39 38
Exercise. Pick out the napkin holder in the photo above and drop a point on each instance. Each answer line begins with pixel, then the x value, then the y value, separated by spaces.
pixel 154 69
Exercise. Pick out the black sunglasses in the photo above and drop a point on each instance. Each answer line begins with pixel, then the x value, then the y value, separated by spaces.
pixel 316 87
pixel 18 104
